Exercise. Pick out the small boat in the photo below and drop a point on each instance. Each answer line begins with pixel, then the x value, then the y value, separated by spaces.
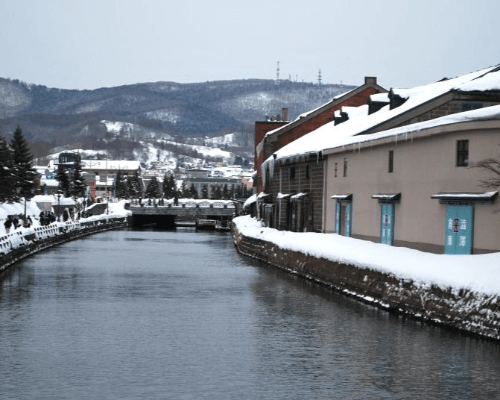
pixel 205 223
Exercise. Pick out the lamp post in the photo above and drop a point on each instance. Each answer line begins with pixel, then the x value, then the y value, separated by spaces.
pixel 106 191
pixel 32 190
pixel 59 206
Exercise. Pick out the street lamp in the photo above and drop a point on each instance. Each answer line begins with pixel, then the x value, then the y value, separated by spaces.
pixel 32 191
pixel 59 205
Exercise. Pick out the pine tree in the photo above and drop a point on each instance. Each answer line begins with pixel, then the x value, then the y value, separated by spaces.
pixel 217 193
pixel 121 187
pixel 62 176
pixel 204 192
pixel 134 186
pixel 153 189
pixel 169 186
pixel 7 177
pixel 24 172
pixel 77 186
pixel 225 192
pixel 184 190
pixel 193 192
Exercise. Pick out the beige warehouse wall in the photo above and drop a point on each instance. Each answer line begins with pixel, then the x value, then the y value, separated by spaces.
pixel 423 166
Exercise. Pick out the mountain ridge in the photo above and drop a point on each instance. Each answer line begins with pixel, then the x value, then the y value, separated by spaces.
pixel 177 109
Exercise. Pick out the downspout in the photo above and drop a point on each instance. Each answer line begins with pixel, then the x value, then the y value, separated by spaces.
pixel 325 180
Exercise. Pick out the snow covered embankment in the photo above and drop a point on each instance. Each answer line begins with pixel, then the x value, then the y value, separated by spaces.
pixel 26 241
pixel 462 292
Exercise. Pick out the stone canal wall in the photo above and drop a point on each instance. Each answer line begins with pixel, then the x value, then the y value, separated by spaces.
pixel 23 243
pixel 474 313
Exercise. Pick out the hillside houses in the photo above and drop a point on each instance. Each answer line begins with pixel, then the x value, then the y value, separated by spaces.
pixel 380 172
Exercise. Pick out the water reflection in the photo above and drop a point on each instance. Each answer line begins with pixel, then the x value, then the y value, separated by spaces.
pixel 149 314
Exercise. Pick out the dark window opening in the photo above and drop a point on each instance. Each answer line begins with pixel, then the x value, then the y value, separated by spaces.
pixel 391 161
pixel 292 172
pixel 462 153
pixel 308 172
pixel 335 170
pixel 345 167
pixel 471 106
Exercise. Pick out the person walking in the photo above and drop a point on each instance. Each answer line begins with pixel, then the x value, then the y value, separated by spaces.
pixel 8 223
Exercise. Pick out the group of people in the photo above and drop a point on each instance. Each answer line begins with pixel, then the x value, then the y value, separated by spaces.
pixel 46 218
pixel 16 221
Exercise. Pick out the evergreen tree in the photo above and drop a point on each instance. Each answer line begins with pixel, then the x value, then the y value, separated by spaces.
pixel 204 192
pixel 169 186
pixel 231 192
pixel 24 172
pixel 121 186
pixel 217 193
pixel 62 176
pixel 153 189
pixel 134 186
pixel 225 192
pixel 184 190
pixel 193 192
pixel 7 177
pixel 78 186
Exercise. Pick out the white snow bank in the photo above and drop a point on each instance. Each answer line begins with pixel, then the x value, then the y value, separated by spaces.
pixel 479 273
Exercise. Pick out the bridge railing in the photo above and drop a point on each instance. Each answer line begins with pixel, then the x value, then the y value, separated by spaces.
pixel 183 203
pixel 23 236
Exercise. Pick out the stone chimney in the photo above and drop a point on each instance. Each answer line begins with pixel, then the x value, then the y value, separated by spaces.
pixel 370 80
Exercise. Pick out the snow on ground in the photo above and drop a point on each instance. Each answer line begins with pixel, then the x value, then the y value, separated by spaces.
pixel 115 210
pixel 212 151
pixel 220 140
pixel 479 273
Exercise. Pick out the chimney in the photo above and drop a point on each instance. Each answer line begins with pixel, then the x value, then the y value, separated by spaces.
pixel 284 114
pixel 370 80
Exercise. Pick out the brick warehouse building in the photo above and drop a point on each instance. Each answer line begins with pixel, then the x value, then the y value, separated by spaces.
pixel 270 137
pixel 306 188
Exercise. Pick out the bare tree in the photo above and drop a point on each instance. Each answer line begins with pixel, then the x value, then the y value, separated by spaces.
pixel 492 166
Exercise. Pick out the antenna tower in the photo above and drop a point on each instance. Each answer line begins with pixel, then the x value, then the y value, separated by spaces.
pixel 319 77
pixel 278 73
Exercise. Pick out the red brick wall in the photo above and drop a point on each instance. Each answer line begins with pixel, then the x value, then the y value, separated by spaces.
pixel 261 128
pixel 322 118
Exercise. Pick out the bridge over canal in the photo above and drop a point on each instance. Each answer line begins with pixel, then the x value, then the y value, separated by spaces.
pixel 167 213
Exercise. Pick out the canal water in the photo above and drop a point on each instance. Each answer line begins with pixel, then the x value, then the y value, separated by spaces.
pixel 181 315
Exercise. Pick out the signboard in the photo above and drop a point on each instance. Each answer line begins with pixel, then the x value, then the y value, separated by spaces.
pixel 387 224
pixel 459 229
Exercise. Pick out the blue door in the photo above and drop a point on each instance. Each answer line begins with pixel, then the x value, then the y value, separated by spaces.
pixel 343 217
pixel 348 219
pixel 387 224
pixel 337 218
pixel 459 229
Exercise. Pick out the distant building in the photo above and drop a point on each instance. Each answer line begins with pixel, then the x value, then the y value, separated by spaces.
pixel 235 184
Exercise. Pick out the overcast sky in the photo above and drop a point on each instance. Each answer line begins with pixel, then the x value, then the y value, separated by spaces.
pixel 87 44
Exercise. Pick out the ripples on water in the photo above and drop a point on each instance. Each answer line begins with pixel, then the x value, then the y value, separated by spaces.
pixel 180 315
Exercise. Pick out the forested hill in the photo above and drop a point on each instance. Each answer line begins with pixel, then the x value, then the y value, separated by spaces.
pixel 194 109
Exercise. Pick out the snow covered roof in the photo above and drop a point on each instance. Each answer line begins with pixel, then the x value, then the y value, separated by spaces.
pixel 49 182
pixel 486 196
pixel 252 199
pixel 311 112
pixel 346 196
pixel 488 113
pixel 330 135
